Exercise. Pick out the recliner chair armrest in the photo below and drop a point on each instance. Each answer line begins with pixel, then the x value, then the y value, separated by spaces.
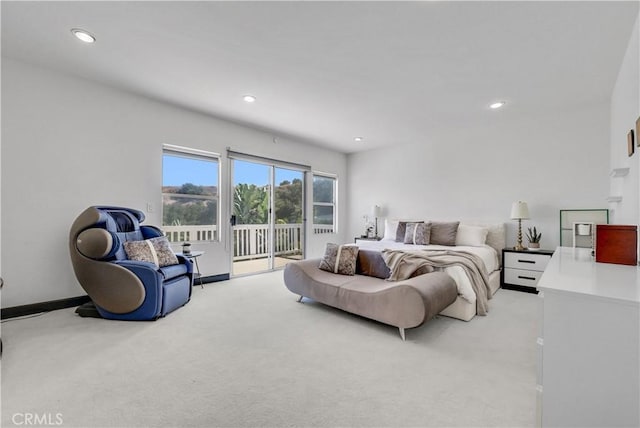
pixel 185 261
pixel 148 273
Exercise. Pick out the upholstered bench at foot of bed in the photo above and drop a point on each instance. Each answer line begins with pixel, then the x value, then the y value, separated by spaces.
pixel 403 304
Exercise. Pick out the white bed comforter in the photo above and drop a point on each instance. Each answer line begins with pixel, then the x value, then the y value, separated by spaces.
pixel 488 255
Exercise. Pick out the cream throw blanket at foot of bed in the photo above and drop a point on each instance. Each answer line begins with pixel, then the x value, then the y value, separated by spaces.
pixel 404 263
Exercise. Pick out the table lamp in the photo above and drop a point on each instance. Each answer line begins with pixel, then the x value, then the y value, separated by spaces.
pixel 519 211
pixel 376 211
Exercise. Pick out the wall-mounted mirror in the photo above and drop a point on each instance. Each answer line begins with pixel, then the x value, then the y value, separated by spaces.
pixel 577 227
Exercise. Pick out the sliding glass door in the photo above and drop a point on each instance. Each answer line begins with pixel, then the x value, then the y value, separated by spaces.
pixel 288 210
pixel 267 216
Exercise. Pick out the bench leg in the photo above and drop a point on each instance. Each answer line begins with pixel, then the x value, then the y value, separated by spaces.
pixel 401 332
pixel 300 299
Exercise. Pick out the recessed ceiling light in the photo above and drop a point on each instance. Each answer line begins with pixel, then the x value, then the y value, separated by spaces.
pixel 358 139
pixel 497 104
pixel 249 98
pixel 83 35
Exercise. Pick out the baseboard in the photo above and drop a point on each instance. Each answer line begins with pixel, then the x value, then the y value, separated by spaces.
pixel 524 288
pixel 36 308
pixel 212 278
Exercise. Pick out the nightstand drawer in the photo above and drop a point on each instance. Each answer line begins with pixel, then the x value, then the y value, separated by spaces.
pixel 527 278
pixel 526 261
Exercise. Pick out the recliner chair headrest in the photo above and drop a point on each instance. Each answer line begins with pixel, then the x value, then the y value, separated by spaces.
pixel 125 222
pixel 136 214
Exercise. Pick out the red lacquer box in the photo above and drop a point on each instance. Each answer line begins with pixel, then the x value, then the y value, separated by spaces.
pixel 616 243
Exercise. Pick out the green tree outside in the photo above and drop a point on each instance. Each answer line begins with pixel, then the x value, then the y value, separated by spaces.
pixel 250 204
pixel 289 202
pixel 183 207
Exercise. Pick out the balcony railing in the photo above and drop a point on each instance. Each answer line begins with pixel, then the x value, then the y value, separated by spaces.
pixel 191 233
pixel 249 240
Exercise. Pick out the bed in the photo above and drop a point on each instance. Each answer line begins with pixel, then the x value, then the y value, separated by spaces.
pixel 484 240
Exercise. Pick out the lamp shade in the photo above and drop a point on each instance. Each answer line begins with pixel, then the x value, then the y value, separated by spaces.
pixel 519 210
pixel 376 211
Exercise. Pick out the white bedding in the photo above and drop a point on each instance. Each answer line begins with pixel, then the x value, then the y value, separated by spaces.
pixel 488 255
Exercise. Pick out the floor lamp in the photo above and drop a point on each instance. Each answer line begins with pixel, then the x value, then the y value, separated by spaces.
pixel 519 211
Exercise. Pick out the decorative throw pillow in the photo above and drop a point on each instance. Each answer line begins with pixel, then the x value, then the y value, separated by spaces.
pixel 402 229
pixel 473 236
pixel 340 259
pixel 418 233
pixel 154 250
pixel 444 233
pixel 390 228
pixel 371 263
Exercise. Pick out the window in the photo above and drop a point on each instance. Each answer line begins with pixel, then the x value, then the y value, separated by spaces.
pixel 324 204
pixel 190 194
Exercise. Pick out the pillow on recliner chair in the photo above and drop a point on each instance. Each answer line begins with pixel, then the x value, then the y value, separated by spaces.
pixel 154 250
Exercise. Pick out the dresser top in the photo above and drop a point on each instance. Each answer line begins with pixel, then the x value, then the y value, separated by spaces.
pixel 574 270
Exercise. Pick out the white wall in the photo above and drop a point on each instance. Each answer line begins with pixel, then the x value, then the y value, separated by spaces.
pixel 0 172
pixel 554 162
pixel 625 110
pixel 69 143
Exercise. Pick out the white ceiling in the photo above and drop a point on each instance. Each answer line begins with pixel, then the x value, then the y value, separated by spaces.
pixel 326 72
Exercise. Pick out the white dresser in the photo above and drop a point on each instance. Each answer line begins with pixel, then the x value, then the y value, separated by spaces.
pixel 589 342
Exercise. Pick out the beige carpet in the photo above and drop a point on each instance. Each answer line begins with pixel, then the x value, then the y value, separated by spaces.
pixel 245 353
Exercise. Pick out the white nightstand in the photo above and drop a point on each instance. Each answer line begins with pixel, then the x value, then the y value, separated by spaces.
pixel 521 270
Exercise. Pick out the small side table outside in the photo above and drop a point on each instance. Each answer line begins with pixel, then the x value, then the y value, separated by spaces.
pixel 194 257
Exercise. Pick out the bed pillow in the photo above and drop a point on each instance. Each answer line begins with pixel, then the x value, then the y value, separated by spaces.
pixel 340 259
pixel 418 233
pixel 402 229
pixel 473 236
pixel 495 236
pixel 154 250
pixel 390 228
pixel 444 233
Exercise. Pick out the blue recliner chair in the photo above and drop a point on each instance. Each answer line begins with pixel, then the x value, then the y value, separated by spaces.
pixel 121 288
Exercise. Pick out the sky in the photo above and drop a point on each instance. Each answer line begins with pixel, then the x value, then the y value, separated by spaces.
pixel 178 170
